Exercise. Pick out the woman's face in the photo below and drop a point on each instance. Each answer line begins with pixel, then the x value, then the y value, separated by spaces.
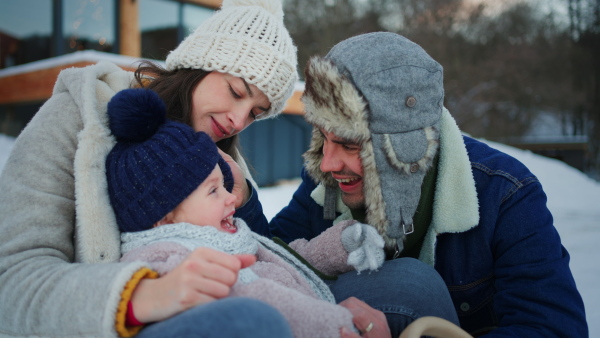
pixel 224 105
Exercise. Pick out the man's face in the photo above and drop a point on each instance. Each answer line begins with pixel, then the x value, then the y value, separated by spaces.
pixel 341 158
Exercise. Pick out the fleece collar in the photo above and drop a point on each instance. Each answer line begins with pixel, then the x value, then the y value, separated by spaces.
pixel 96 233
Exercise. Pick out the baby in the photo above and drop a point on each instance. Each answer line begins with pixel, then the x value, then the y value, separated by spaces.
pixel 171 193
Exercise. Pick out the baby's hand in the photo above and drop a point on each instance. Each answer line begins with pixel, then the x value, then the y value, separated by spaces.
pixel 364 246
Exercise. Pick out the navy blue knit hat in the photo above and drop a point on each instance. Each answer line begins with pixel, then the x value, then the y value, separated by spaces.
pixel 156 163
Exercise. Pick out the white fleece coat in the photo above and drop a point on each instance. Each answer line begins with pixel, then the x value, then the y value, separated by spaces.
pixel 55 211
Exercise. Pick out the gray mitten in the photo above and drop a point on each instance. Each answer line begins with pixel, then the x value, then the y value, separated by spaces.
pixel 364 246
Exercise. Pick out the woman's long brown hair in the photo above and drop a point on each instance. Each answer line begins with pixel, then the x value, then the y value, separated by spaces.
pixel 176 87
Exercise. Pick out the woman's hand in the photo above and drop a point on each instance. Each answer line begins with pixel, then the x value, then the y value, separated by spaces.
pixel 363 317
pixel 240 187
pixel 205 275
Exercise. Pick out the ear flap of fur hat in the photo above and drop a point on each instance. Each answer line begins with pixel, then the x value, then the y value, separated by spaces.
pixel 385 93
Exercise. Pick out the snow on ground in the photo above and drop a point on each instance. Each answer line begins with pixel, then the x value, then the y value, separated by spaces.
pixel 573 199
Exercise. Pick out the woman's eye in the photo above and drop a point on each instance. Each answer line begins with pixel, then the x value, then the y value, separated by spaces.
pixel 234 93
pixel 252 115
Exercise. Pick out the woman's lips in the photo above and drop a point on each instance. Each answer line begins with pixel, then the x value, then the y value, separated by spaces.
pixel 218 130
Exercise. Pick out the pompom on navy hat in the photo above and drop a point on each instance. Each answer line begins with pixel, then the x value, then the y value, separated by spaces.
pixel 156 163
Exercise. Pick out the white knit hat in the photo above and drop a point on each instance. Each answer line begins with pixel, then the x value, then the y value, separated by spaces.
pixel 247 39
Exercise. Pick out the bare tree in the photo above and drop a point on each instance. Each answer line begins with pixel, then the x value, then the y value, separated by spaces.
pixel 584 19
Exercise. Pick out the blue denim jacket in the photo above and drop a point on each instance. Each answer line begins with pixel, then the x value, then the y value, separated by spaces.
pixel 508 273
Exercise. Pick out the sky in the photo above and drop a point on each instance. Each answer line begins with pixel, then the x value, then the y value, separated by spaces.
pixel 573 199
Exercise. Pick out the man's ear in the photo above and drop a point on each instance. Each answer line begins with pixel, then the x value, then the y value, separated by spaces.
pixel 168 219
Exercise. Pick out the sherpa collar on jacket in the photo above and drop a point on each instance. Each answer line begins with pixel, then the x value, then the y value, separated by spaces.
pixel 455 205
pixel 97 236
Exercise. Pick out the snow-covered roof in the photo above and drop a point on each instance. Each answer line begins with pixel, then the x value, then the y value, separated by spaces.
pixel 80 56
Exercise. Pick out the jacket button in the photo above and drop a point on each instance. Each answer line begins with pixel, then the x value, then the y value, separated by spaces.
pixel 414 168
pixel 465 307
pixel 411 101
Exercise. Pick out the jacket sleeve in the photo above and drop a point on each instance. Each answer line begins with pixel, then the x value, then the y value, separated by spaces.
pixel 42 291
pixel 301 218
pixel 252 213
pixel 535 294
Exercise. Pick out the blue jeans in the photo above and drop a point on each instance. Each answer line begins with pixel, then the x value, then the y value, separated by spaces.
pixel 403 289
pixel 229 317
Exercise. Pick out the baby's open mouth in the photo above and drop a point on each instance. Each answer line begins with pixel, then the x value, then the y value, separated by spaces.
pixel 227 224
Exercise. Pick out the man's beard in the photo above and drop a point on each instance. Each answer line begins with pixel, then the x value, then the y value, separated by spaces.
pixel 353 201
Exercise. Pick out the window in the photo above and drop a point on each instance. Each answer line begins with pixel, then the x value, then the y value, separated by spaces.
pixel 88 24
pixel 158 25
pixel 164 24
pixel 25 31
pixel 193 16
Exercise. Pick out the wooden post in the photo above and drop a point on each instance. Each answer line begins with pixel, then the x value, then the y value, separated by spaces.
pixel 130 37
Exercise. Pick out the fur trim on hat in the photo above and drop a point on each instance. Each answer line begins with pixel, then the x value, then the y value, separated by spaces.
pixel 331 102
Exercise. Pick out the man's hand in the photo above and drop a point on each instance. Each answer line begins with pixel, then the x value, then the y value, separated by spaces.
pixel 363 317
pixel 240 187
pixel 205 275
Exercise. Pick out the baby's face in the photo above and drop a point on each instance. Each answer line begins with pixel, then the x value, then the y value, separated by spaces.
pixel 210 204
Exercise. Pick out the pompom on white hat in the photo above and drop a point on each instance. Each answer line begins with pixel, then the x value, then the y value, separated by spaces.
pixel 247 39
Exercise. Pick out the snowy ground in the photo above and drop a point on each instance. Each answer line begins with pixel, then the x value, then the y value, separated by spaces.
pixel 573 199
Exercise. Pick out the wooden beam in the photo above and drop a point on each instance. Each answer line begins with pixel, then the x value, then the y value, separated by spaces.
pixel 294 106
pixel 33 86
pixel 206 3
pixel 130 37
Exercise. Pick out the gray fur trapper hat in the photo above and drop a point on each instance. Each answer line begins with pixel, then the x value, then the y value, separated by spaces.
pixel 386 93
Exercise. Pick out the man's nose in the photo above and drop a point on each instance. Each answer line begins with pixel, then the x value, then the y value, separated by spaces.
pixel 238 119
pixel 331 160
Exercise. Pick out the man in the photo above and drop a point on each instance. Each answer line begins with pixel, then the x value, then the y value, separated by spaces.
pixel 385 151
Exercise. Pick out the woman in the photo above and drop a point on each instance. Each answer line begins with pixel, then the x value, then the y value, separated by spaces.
pixel 238 66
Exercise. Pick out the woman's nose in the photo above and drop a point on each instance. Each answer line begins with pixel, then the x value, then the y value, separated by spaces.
pixel 238 120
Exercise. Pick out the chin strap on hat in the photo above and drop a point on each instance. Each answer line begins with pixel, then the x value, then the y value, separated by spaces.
pixel 329 203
